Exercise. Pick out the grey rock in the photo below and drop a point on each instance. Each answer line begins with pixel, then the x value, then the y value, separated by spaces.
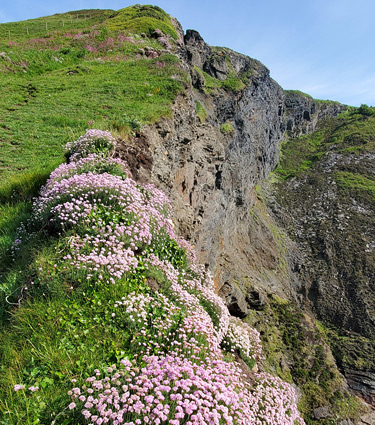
pixel 362 382
pixel 235 300
pixel 322 412
pixel 5 56
pixel 367 419
pixel 211 177
pixel 255 299
pixel 196 49
pixel 304 114
pixel 346 422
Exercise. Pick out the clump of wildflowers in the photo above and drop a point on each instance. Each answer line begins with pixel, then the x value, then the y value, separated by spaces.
pixel 94 163
pixel 177 374
pixel 168 389
pixel 243 339
pixel 276 401
pixel 93 141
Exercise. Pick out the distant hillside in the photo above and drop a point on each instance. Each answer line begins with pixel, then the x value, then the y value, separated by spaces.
pixel 326 194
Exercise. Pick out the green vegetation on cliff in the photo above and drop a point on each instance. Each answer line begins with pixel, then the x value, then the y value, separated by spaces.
pixel 353 132
pixel 140 19
pixel 325 186
pixel 295 348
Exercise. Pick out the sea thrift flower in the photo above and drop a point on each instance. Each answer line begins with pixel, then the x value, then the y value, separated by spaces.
pixel 176 388
pixel 240 337
pixel 177 374
pixel 93 141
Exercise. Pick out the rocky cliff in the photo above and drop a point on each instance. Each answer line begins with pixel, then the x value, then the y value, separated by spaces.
pixel 326 195
pixel 223 139
pixel 212 158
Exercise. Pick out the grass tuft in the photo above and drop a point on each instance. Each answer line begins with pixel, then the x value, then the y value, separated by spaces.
pixel 142 19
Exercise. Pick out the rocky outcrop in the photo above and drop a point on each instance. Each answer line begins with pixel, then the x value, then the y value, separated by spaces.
pixel 303 114
pixel 222 140
pixel 211 174
pixel 363 382
pixel 368 419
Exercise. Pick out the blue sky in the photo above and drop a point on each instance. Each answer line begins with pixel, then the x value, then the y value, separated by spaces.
pixel 322 47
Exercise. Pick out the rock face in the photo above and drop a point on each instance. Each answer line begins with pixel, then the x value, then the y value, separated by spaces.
pixel 211 173
pixel 363 382
pixel 303 114
pixel 222 140
pixel 327 206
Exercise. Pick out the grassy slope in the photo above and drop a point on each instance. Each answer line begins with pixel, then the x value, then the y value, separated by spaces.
pixel 57 74
pixel 52 86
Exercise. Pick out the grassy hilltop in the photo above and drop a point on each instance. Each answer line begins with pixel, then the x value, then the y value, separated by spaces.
pixel 59 74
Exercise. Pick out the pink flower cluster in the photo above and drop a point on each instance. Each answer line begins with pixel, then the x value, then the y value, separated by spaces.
pixel 113 216
pixel 93 141
pixel 177 374
pixel 93 163
pixel 91 49
pixel 168 389
pixel 240 337
pixel 19 387
pixel 276 401
pixel 174 390
pixel 122 38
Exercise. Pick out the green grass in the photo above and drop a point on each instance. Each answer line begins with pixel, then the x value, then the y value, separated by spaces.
pixel 142 19
pixel 41 27
pixel 209 83
pixel 54 81
pixel 297 93
pixel 233 82
pixel 226 128
pixel 356 182
pixel 16 195
pixel 113 94
pixel 290 93
pixel 51 333
pixel 201 111
pixel 348 134
pixel 52 85
pixel 298 155
pixel 54 340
